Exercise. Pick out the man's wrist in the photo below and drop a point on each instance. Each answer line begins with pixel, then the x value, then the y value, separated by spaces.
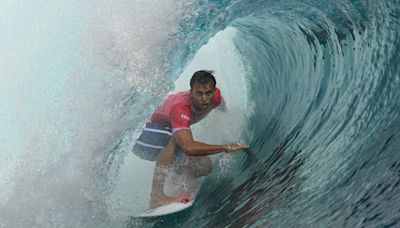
pixel 228 148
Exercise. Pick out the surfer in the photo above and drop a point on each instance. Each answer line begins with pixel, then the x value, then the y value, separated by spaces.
pixel 167 137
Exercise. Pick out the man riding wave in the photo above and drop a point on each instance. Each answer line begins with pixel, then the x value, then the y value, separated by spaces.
pixel 167 137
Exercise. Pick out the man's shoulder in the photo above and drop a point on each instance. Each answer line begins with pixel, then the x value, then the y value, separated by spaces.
pixel 181 99
pixel 218 97
pixel 181 112
pixel 182 107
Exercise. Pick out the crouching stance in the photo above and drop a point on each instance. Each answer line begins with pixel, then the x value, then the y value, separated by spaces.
pixel 167 138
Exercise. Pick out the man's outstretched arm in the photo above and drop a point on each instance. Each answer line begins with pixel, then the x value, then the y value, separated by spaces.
pixel 185 141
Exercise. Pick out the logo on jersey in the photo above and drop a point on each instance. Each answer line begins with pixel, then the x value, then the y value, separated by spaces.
pixel 185 117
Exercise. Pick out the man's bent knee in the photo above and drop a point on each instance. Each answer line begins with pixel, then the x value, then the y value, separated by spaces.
pixel 199 166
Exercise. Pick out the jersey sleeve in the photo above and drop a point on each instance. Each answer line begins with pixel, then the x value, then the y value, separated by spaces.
pixel 217 97
pixel 180 118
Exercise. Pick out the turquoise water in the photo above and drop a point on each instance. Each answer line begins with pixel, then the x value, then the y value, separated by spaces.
pixel 320 80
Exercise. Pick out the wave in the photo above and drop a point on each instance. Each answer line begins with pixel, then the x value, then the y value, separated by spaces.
pixel 312 85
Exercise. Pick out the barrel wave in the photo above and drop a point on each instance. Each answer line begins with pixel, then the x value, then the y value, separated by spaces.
pixel 324 78
pixel 321 83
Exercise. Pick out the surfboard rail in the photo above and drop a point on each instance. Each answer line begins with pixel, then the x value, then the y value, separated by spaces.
pixel 166 209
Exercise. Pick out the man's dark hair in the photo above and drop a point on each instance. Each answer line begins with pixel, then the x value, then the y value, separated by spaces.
pixel 203 77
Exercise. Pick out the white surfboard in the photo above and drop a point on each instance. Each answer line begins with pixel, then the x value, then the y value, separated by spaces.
pixel 166 209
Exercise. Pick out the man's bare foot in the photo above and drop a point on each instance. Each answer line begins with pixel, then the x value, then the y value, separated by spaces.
pixel 164 200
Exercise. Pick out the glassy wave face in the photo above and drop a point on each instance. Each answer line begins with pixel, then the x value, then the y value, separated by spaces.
pixel 322 78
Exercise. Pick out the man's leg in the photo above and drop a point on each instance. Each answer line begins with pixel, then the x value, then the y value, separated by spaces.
pixel 196 166
pixel 163 164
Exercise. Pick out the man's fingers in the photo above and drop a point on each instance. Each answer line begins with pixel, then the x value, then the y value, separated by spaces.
pixel 236 146
pixel 241 146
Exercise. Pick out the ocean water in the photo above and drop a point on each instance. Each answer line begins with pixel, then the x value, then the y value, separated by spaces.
pixel 312 86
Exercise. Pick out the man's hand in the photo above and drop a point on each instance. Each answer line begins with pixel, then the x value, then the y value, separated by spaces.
pixel 236 146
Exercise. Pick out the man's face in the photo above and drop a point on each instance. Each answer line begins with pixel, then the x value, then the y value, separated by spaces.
pixel 202 95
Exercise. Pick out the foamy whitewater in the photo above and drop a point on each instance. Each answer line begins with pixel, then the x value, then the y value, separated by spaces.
pixel 312 86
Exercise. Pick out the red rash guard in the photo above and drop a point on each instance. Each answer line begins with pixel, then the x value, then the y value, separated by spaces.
pixel 178 112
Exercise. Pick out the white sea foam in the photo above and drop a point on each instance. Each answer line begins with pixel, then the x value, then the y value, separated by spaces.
pixel 69 73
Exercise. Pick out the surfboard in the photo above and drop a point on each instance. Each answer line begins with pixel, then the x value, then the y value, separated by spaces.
pixel 166 209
